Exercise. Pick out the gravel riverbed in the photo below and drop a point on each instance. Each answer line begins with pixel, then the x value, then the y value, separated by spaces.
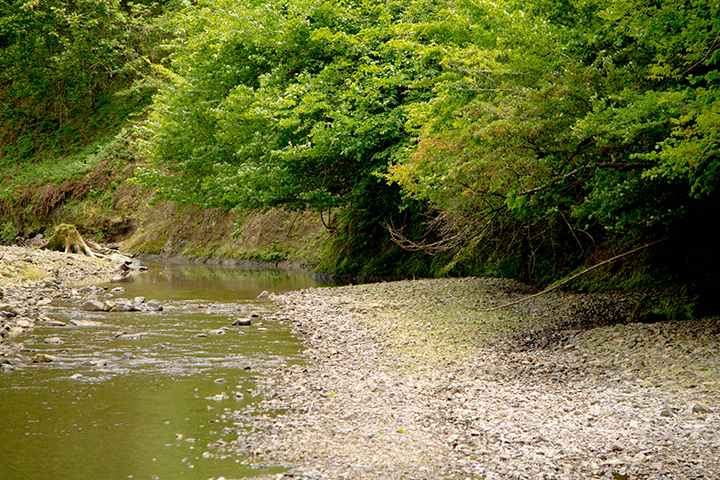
pixel 413 380
pixel 31 279
pixel 420 380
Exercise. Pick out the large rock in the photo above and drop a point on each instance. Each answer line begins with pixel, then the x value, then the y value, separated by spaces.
pixel 93 306
pixel 9 310
pixel 42 358
pixel 154 306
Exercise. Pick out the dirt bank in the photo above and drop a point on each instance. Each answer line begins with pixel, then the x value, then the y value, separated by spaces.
pixel 411 380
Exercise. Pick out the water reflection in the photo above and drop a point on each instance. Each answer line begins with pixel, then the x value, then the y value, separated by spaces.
pixel 144 394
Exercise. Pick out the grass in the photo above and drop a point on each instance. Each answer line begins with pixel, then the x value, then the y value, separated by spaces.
pixel 49 167
pixel 32 272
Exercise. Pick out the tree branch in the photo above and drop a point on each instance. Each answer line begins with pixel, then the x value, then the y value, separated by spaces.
pixel 605 262
pixel 613 164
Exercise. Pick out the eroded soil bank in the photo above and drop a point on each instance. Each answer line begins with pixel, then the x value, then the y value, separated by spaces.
pixel 412 380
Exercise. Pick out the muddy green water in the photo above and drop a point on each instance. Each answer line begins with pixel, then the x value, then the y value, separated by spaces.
pixel 145 407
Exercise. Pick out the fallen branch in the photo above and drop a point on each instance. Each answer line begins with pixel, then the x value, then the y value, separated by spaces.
pixel 605 262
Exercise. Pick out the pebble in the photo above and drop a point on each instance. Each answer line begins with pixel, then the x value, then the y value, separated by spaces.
pixel 700 408
pixel 42 358
pixel 85 323
pixel 387 394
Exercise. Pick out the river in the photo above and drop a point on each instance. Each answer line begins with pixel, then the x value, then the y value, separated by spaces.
pixel 146 395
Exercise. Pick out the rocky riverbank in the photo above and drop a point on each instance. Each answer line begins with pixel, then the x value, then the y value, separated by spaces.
pixel 424 380
pixel 31 279
pixel 417 380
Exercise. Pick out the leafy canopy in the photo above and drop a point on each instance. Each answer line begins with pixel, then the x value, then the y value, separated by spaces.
pixel 293 104
pixel 591 115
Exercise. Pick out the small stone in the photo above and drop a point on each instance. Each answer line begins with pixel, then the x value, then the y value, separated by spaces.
pixel 639 458
pixel 24 323
pixel 9 310
pixel 242 321
pixel 265 294
pixel 218 331
pixel 616 447
pixel 700 408
pixel 85 323
pixel 42 358
pixel 54 340
pixel 666 412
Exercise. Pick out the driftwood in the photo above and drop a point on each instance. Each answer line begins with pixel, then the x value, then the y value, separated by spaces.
pixel 68 239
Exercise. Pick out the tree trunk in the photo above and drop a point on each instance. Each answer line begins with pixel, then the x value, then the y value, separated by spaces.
pixel 67 238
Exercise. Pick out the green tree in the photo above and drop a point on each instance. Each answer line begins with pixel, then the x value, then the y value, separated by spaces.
pixel 61 64
pixel 572 122
pixel 296 104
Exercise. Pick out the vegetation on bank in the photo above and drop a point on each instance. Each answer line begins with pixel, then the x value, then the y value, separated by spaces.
pixel 431 137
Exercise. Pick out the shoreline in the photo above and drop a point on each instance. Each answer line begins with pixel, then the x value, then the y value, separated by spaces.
pixel 31 279
pixel 393 388
pixel 416 379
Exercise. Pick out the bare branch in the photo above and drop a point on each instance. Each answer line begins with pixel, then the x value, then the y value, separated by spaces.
pixel 613 164
pixel 616 257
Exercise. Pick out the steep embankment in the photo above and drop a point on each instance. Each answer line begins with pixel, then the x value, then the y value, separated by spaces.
pixel 92 192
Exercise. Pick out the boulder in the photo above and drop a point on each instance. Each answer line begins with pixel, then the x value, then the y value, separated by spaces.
pixel 154 306
pixel 93 306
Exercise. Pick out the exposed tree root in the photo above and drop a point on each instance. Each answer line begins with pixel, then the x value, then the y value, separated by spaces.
pixel 69 240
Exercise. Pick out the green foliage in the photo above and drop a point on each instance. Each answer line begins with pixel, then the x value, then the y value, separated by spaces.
pixel 9 232
pixel 61 64
pixel 571 122
pixel 289 104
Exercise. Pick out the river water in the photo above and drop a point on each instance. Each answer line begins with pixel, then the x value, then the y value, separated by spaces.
pixel 145 395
